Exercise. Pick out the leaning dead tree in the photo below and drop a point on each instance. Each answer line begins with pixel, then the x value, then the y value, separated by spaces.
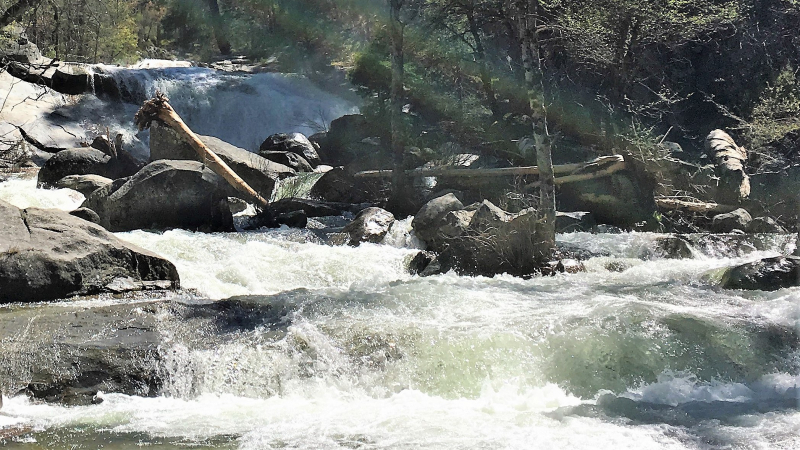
pixel 158 108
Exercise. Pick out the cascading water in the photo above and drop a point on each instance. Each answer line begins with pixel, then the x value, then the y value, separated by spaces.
pixel 242 109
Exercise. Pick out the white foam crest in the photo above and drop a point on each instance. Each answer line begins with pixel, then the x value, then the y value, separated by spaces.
pixel 226 264
pixel 675 389
pixel 329 418
pixel 22 193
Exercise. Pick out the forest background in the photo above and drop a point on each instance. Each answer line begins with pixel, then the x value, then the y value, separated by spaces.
pixel 609 76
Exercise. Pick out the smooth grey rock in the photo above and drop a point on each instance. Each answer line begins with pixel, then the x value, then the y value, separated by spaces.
pixel 738 219
pixel 428 220
pixel 370 225
pixel 85 184
pixel 48 254
pixel 337 185
pixel 83 161
pixel 86 214
pixel 165 194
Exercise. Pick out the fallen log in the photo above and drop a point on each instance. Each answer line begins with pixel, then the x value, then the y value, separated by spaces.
pixel 159 108
pixel 576 171
pixel 671 204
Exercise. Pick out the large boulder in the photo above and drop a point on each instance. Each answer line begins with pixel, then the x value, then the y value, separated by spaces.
pixel 428 220
pixel 738 219
pixel 480 239
pixel 370 225
pixel 48 254
pixel 314 208
pixel 766 274
pixel 260 173
pixel 338 185
pixel 623 199
pixel 83 161
pixel 293 143
pixel 165 194
pixel 85 184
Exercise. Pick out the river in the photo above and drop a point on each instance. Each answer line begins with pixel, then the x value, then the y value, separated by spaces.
pixel 638 352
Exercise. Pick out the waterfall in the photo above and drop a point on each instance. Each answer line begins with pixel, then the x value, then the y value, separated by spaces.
pixel 242 109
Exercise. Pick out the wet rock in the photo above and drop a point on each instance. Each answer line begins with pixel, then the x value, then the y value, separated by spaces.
pixel 293 143
pixel 765 225
pixel 672 247
pixel 427 221
pixel 85 184
pixel 419 262
pixel 49 254
pixel 165 194
pixel 370 225
pixel 735 220
pixel 288 159
pixel 83 161
pixel 261 174
pixel 570 222
pixel 766 274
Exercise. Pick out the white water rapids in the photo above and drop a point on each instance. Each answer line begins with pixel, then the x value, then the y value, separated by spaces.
pixel 652 357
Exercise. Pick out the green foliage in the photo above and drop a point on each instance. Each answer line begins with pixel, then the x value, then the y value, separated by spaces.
pixel 778 109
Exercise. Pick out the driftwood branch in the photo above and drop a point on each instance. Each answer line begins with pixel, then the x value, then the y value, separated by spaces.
pixel 158 108
pixel 574 172
pixel 671 204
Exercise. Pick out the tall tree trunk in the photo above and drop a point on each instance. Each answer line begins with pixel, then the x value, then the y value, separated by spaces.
pixel 532 63
pixel 16 11
pixel 220 33
pixel 399 200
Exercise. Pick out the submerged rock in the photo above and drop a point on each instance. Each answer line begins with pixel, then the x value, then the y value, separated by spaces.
pixel 766 274
pixel 165 194
pixel 49 254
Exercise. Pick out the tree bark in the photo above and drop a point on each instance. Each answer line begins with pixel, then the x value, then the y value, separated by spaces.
pixel 532 63
pixel 220 33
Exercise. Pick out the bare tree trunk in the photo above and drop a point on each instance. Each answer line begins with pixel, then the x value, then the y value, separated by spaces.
pixel 532 62
pixel 220 33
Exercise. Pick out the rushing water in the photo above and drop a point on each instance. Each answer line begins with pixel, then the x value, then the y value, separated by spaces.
pixel 636 353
